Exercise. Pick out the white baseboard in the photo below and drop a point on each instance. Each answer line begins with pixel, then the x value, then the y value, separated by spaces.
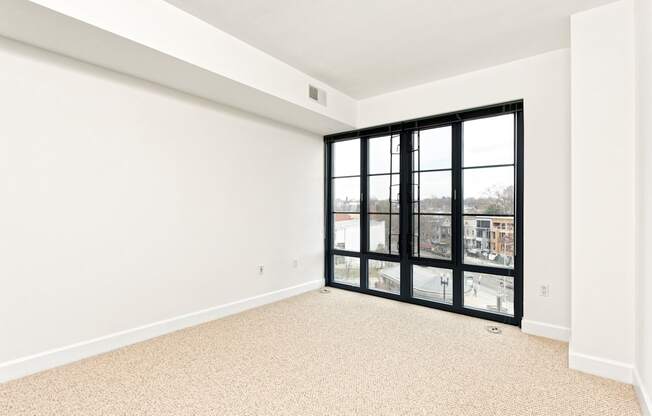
pixel 541 329
pixel 643 398
pixel 602 367
pixel 54 358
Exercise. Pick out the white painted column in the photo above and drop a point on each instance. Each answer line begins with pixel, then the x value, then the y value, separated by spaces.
pixel 643 287
pixel 602 191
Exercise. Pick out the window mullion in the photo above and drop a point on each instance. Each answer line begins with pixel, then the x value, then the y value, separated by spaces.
pixel 364 215
pixel 457 239
pixel 328 220
pixel 518 220
pixel 405 210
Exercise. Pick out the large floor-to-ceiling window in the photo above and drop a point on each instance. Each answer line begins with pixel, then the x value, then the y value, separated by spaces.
pixel 429 211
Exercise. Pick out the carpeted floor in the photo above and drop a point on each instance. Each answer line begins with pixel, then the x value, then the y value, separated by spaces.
pixel 340 353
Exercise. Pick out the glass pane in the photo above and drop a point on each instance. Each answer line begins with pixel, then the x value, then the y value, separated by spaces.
pixel 346 195
pixel 434 149
pixel 346 270
pixel 381 188
pixel 489 241
pixel 433 192
pixel 382 151
pixel 433 284
pixel 434 236
pixel 385 276
pixel 489 141
pixel 346 158
pixel 346 232
pixel 380 235
pixel 489 292
pixel 489 191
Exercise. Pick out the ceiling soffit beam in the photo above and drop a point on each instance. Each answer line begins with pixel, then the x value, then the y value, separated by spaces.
pixel 155 41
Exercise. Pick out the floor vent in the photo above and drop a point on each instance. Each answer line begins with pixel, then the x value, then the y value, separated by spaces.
pixel 493 329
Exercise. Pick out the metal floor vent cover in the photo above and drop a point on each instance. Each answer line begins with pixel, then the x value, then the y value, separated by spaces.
pixel 492 329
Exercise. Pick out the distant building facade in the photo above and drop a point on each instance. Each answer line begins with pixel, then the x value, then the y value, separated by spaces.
pixel 490 239
pixel 347 233
pixel 487 240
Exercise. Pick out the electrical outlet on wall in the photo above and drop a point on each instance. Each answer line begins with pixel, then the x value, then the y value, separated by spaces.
pixel 261 269
pixel 544 290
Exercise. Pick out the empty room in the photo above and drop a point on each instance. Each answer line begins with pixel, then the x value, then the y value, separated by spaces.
pixel 327 207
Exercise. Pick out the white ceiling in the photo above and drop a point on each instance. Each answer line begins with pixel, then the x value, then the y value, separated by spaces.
pixel 369 47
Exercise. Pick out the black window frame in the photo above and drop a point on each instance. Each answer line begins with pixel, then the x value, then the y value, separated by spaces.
pixel 405 256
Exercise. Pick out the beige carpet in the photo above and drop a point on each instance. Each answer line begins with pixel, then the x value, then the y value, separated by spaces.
pixel 326 354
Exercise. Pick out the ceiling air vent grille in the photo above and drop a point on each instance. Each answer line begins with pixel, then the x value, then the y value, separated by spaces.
pixel 317 95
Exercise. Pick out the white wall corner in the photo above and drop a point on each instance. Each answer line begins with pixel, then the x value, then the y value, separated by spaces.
pixel 602 367
pixel 542 329
pixel 643 398
pixel 60 356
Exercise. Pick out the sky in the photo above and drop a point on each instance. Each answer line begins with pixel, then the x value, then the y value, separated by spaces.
pixel 487 141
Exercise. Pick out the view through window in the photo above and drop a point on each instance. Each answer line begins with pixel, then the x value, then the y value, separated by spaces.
pixel 428 212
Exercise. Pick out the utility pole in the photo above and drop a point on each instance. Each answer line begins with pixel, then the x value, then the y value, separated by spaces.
pixel 499 297
pixel 443 281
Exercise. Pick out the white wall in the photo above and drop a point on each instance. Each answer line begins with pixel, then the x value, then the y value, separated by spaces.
pixel 602 189
pixel 542 82
pixel 123 203
pixel 643 288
